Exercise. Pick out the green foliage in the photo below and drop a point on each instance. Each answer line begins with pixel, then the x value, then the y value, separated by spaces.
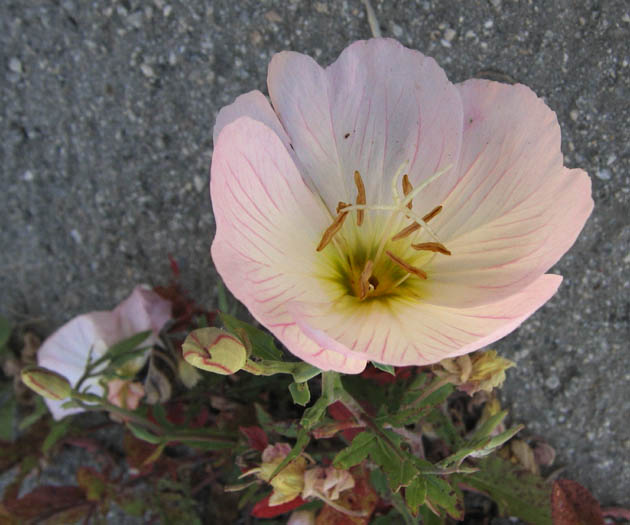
pixel 356 452
pixel 300 393
pixel 8 408
pixel 5 334
pixel 262 344
pixel 516 491
pixel 385 368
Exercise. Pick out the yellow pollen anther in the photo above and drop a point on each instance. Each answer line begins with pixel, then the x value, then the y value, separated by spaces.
pixel 414 226
pixel 365 285
pixel 360 196
pixel 332 230
pixel 432 247
pixel 407 188
pixel 406 266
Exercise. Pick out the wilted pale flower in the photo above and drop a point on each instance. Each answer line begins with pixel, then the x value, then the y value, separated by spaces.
pixel 379 212
pixel 289 482
pixel 66 351
pixel 326 483
pixel 125 394
pixel 480 371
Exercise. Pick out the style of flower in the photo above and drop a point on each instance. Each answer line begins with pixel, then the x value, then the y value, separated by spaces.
pixel 379 212
pixel 88 336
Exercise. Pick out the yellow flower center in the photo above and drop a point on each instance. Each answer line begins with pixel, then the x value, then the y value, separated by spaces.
pixel 377 257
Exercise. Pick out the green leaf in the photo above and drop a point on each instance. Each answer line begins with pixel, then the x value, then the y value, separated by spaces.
pixel 441 494
pixel 416 493
pixel 400 471
pixel 159 413
pixel 58 430
pixel 302 440
pixel 117 362
pixel 314 414
pixel 428 518
pixel 357 451
pixel 8 408
pixel 302 372
pixel 412 414
pixel 126 345
pixel 5 333
pixel 378 479
pixel 38 412
pixel 385 368
pixel 263 345
pixel 143 434
pixel 516 491
pixel 300 393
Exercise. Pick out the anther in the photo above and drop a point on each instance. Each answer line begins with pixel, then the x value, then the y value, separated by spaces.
pixel 407 188
pixel 360 196
pixel 365 285
pixel 414 226
pixel 406 266
pixel 432 247
pixel 332 230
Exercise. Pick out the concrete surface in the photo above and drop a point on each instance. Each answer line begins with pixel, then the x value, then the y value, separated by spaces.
pixel 106 125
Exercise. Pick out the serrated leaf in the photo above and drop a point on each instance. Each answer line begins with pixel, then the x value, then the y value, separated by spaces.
pixel 143 434
pixel 416 494
pixel 412 414
pixel 441 494
pixel 385 368
pixel 300 393
pixel 400 471
pixel 356 452
pixel 263 345
pixel 516 491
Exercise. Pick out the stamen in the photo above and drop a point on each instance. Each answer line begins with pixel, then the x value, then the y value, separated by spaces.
pixel 417 190
pixel 416 226
pixel 332 230
pixel 432 247
pixel 406 266
pixel 341 206
pixel 407 188
pixel 360 197
pixel 365 285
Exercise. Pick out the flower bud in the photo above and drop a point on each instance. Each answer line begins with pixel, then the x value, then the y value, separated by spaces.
pixel 46 383
pixel 214 350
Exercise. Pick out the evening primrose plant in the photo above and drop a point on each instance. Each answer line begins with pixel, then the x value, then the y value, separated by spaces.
pixel 383 225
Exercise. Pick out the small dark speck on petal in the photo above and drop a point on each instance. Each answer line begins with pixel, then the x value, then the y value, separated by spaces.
pixel 346 135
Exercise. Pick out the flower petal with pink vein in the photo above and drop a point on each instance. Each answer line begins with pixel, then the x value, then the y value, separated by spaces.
pixel 378 106
pixel 506 222
pixel 268 224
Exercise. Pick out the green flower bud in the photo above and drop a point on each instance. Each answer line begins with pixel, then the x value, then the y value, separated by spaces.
pixel 46 383
pixel 214 350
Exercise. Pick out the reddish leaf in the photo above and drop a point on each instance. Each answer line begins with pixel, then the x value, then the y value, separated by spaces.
pixel 572 504
pixel 385 378
pixel 263 510
pixel 137 452
pixel 46 501
pixel 362 498
pixel 340 413
pixel 256 437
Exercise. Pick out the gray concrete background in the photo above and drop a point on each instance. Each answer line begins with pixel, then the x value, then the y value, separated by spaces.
pixel 106 125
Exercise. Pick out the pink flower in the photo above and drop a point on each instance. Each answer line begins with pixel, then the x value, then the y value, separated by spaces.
pixel 323 203
pixel 66 351
pixel 125 394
